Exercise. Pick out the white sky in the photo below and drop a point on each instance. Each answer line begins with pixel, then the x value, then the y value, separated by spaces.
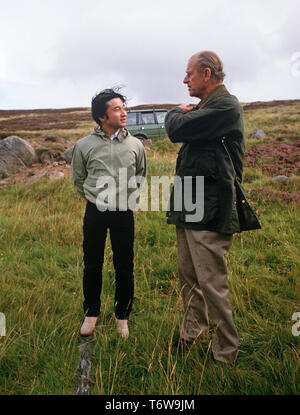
pixel 59 53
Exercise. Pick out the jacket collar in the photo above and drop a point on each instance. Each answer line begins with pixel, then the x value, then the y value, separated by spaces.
pixel 217 92
pixel 123 133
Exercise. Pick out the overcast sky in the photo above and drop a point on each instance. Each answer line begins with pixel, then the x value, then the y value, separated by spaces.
pixel 59 53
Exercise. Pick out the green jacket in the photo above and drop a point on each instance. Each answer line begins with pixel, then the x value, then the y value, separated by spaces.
pixel 202 154
pixel 96 160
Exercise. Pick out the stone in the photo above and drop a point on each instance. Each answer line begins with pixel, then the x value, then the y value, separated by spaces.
pixel 258 134
pixel 15 155
pixel 44 155
pixel 54 175
pixel 83 371
pixel 67 155
pixel 280 177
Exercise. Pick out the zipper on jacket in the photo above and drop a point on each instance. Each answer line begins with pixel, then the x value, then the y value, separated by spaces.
pixel 112 154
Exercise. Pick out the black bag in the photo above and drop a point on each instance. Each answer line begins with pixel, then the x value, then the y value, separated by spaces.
pixel 247 218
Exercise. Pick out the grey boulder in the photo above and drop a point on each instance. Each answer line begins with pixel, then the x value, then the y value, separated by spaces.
pixel 67 155
pixel 15 155
pixel 258 134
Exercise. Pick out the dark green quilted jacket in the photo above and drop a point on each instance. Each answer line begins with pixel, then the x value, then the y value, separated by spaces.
pixel 218 117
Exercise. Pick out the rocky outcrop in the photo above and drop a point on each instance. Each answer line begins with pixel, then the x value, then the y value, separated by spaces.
pixel 15 154
pixel 67 155
pixel 49 151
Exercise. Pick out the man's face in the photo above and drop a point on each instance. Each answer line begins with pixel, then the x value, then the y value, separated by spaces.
pixel 195 81
pixel 115 115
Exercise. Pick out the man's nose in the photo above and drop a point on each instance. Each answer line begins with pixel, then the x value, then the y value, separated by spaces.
pixel 185 80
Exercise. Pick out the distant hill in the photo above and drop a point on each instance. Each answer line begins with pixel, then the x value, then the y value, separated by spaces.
pixel 265 104
pixel 246 106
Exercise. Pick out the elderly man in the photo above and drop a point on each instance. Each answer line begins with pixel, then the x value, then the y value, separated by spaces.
pixel 212 134
pixel 103 166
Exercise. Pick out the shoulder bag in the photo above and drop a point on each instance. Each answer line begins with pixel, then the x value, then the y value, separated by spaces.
pixel 247 218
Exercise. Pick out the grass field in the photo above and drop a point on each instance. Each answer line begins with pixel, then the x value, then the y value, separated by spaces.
pixel 41 294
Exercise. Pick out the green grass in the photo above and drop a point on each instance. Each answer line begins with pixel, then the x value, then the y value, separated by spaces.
pixel 41 297
pixel 281 123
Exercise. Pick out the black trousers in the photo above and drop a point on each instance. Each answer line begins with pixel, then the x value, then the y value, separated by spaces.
pixel 121 227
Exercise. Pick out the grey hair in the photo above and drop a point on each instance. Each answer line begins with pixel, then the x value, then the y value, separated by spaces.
pixel 211 60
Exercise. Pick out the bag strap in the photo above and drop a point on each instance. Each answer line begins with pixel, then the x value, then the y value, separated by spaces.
pixel 237 183
pixel 223 139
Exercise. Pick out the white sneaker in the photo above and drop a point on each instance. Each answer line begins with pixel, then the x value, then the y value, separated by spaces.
pixel 88 326
pixel 122 327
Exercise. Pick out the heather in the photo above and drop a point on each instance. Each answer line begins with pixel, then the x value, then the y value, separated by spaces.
pixel 275 158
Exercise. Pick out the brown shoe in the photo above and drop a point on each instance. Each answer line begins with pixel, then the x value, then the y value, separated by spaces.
pixel 88 326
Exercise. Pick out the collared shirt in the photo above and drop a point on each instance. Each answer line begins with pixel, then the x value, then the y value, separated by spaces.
pixel 115 135
pixel 99 156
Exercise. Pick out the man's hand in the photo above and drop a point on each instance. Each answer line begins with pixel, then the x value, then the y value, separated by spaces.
pixel 186 107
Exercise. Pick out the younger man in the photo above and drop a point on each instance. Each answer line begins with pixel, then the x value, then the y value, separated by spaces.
pixel 99 164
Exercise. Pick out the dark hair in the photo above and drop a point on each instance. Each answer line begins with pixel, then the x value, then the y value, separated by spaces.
pixel 99 102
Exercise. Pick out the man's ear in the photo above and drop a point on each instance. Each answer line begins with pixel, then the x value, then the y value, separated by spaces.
pixel 105 117
pixel 207 74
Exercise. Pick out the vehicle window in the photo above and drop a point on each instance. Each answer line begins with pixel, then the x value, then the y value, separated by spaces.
pixel 131 118
pixel 160 115
pixel 147 118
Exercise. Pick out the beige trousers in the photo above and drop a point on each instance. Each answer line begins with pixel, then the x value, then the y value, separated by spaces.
pixel 204 289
